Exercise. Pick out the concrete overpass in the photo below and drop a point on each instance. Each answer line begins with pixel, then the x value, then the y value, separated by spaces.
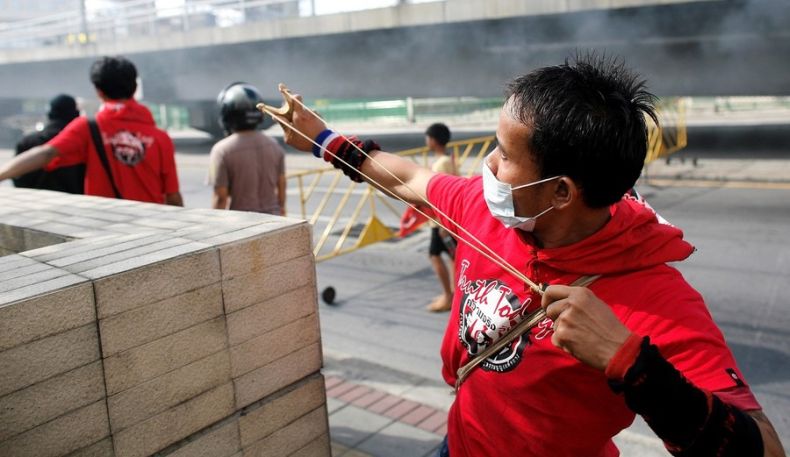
pixel 450 48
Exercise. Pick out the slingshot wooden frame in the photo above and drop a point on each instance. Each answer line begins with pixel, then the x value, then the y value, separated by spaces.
pixel 286 111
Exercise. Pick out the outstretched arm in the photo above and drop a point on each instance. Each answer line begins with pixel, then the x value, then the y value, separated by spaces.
pixel 690 420
pixel 30 160
pixel 388 172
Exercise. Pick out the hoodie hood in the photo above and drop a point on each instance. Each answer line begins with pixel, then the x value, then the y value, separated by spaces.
pixel 634 238
pixel 126 110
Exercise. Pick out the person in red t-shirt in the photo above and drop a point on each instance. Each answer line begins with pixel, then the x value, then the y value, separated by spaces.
pixel 141 157
pixel 552 202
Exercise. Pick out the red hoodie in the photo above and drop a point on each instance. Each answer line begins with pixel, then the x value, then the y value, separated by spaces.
pixel 533 399
pixel 141 156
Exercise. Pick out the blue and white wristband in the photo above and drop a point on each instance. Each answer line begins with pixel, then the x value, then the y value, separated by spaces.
pixel 323 139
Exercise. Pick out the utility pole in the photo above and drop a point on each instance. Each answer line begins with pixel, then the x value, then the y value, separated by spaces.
pixel 83 23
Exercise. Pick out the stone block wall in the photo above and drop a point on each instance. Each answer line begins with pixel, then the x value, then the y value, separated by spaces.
pixel 131 329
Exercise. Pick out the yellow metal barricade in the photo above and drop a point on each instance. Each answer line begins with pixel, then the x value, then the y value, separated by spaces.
pixel 347 216
pixel 670 136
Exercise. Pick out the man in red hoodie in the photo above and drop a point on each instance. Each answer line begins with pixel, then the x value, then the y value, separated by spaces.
pixel 140 159
pixel 639 339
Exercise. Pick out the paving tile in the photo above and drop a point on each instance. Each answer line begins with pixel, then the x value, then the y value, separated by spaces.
pixel 264 226
pixel 270 346
pixel 89 251
pixel 156 320
pixel 351 425
pixel 246 290
pixel 332 381
pixel 129 368
pixel 319 447
pixel 221 441
pixel 161 393
pixel 122 292
pixel 294 436
pixel 268 379
pixel 338 449
pixel 179 422
pixel 53 355
pixel 48 314
pixel 102 448
pixel 434 421
pixel 384 404
pixel 157 221
pixel 84 262
pixel 397 440
pixel 266 250
pixel 33 278
pixel 340 389
pixel 263 317
pixel 333 404
pixel 369 398
pixel 353 394
pixel 441 430
pixel 417 415
pixel 57 251
pixel 14 261
pixel 438 396
pixel 45 233
pixel 401 409
pixel 145 260
pixel 27 408
pixel 284 408
pixel 65 434
pixel 23 271
pixel 40 288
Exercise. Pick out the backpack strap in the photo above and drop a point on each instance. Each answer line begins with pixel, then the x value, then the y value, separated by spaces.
pixel 99 144
pixel 521 328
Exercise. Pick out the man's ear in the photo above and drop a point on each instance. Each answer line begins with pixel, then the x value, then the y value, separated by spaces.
pixel 566 192
pixel 101 95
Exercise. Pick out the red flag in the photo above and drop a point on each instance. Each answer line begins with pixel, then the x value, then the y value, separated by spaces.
pixel 412 220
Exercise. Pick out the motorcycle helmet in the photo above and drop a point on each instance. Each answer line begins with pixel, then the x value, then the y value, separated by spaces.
pixel 237 109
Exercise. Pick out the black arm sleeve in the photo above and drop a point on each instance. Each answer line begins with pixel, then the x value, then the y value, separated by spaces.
pixel 690 421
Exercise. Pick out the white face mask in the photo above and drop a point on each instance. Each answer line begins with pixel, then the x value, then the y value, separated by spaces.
pixel 499 198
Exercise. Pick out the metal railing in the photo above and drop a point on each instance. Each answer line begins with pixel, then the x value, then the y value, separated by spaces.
pixel 149 18
pixel 348 216
pixel 139 18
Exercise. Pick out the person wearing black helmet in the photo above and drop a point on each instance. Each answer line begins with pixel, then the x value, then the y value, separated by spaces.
pixel 247 168
pixel 62 110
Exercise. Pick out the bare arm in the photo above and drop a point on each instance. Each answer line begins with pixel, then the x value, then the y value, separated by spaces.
pixel 221 198
pixel 771 443
pixel 30 160
pixel 281 194
pixel 393 174
pixel 174 199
